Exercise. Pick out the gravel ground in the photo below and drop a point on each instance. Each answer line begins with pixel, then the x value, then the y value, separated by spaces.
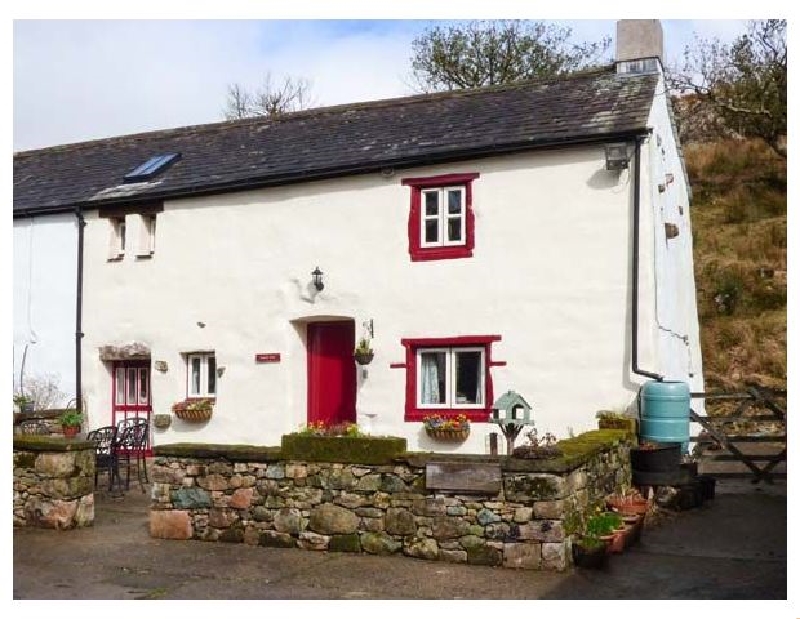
pixel 719 551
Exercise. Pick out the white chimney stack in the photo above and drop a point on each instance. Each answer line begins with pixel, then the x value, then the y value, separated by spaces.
pixel 638 40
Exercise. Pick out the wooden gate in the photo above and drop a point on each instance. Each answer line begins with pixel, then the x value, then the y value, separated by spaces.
pixel 725 437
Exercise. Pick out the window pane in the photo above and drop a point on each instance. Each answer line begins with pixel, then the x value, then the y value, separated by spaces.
pixel 469 387
pixel 131 386
pixel 432 377
pixel 119 398
pixel 212 375
pixel 432 203
pixel 454 228
pixel 432 231
pixel 194 382
pixel 122 235
pixel 143 386
pixel 454 201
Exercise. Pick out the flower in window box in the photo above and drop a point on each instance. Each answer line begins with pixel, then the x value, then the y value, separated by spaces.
pixel 447 428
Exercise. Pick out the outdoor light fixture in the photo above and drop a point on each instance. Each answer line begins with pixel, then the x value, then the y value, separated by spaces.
pixel 220 371
pixel 617 156
pixel 316 274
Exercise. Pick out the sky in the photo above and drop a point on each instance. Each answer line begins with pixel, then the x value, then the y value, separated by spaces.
pixel 76 80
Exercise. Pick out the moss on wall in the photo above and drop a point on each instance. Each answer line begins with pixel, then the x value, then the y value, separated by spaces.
pixel 345 449
pixel 233 453
pixel 35 442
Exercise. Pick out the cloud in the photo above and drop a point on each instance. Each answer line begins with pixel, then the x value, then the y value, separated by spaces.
pixel 76 80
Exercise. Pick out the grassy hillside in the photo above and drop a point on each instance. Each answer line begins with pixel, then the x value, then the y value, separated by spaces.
pixel 739 228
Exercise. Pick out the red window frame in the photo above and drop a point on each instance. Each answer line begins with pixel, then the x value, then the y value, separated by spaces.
pixel 415 249
pixel 412 413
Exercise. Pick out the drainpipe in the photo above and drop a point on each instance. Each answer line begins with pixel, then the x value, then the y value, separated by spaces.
pixel 79 310
pixel 635 290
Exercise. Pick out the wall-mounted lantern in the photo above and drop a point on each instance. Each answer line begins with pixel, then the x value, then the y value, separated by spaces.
pixel 220 371
pixel 617 156
pixel 512 413
pixel 316 275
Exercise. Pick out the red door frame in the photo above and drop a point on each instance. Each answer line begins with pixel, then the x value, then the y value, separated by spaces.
pixel 141 406
pixel 325 369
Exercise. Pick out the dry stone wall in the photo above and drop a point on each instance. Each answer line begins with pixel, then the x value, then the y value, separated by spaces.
pixel 382 509
pixel 53 483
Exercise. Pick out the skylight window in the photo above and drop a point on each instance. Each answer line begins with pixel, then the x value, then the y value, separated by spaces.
pixel 151 167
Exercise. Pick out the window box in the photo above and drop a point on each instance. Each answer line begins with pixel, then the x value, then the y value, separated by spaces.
pixel 441 223
pixel 195 410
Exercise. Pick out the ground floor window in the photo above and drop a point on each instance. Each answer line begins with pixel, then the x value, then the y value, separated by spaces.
pixel 449 376
pixel 201 375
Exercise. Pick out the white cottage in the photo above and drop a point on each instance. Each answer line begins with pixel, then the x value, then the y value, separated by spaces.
pixel 533 237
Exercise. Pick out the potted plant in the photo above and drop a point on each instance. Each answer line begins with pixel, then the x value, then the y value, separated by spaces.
pixel 539 448
pixel 363 353
pixel 607 526
pixel 453 429
pixel 71 419
pixel 24 403
pixel 589 552
pixel 194 409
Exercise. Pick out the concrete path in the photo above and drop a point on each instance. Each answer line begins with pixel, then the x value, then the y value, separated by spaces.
pixel 734 547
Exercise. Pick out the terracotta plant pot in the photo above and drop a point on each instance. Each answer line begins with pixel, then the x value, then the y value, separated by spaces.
pixel 617 541
pixel 70 431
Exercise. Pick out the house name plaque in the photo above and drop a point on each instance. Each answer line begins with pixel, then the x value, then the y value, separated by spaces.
pixel 467 477
pixel 268 357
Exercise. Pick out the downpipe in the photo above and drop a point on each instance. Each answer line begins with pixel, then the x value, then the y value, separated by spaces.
pixel 635 279
pixel 79 311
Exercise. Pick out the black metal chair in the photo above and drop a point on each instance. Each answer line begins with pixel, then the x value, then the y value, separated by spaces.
pixel 106 455
pixel 131 443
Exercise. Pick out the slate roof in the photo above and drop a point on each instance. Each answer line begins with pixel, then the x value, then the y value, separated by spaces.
pixel 335 141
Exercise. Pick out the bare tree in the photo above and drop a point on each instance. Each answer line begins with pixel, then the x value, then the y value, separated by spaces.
pixel 744 82
pixel 484 53
pixel 271 99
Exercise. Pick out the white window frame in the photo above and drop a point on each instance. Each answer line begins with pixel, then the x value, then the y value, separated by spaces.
pixel 203 392
pixel 147 236
pixel 450 377
pixel 443 216
pixel 116 245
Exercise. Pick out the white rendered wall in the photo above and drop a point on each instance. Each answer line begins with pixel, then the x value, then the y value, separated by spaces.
pixel 45 255
pixel 550 274
pixel 677 321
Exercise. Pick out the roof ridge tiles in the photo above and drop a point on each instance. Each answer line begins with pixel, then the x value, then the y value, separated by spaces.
pixel 324 110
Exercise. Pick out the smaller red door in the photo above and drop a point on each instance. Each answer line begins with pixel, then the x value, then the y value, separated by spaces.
pixel 331 372
pixel 130 393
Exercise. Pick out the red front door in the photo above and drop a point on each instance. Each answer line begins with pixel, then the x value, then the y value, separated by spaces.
pixel 130 392
pixel 331 372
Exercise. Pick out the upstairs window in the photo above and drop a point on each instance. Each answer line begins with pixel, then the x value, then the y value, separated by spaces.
pixel 441 223
pixel 147 236
pixel 201 375
pixel 116 243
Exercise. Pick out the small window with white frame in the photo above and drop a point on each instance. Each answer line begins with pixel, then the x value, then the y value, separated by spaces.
pixel 201 375
pixel 443 217
pixel 451 378
pixel 147 236
pixel 116 247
